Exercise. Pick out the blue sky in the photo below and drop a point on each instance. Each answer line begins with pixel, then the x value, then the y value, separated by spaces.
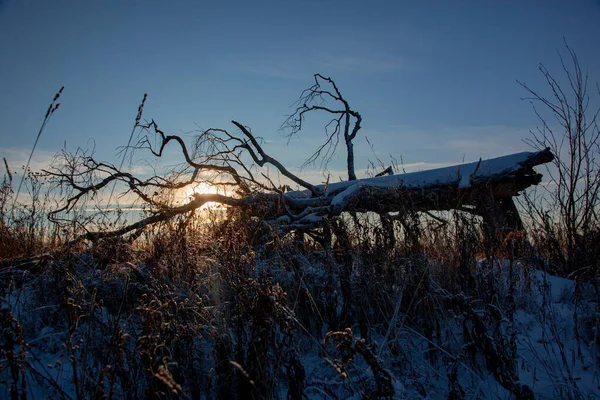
pixel 435 81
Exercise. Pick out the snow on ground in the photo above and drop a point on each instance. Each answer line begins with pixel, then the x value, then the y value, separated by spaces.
pixel 551 360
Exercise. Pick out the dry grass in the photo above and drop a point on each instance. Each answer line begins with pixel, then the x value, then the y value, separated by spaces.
pixel 221 309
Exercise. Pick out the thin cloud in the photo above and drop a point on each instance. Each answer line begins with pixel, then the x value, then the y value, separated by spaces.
pixel 275 71
pixel 17 158
pixel 42 159
pixel 299 66
pixel 455 144
pixel 363 64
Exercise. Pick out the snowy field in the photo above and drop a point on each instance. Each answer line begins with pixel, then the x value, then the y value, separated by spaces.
pixel 551 360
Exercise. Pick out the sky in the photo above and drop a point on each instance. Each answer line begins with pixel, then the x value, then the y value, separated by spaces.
pixel 435 81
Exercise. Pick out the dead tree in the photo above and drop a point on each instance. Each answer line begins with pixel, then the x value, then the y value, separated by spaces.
pixel 237 160
pixel 216 158
pixel 345 121
pixel 569 127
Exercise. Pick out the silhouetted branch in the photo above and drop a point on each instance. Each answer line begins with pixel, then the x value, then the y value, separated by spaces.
pixel 345 121
pixel 570 129
pixel 236 161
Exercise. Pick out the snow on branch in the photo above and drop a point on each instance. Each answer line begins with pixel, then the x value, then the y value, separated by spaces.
pixel 508 174
pixel 237 160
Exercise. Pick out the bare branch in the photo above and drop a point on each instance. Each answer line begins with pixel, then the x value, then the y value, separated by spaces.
pixel 573 138
pixel 237 161
pixel 265 158
pixel 345 121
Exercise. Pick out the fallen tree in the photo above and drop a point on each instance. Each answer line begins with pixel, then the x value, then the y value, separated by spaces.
pixel 237 161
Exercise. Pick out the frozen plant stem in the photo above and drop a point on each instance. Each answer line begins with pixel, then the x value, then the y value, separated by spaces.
pixel 137 123
pixel 51 109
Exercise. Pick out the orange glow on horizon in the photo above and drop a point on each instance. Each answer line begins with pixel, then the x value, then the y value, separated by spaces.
pixel 200 188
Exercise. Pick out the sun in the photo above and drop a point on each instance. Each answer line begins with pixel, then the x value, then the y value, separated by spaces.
pixel 185 194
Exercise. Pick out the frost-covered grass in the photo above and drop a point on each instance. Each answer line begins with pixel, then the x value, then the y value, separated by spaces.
pixel 221 313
